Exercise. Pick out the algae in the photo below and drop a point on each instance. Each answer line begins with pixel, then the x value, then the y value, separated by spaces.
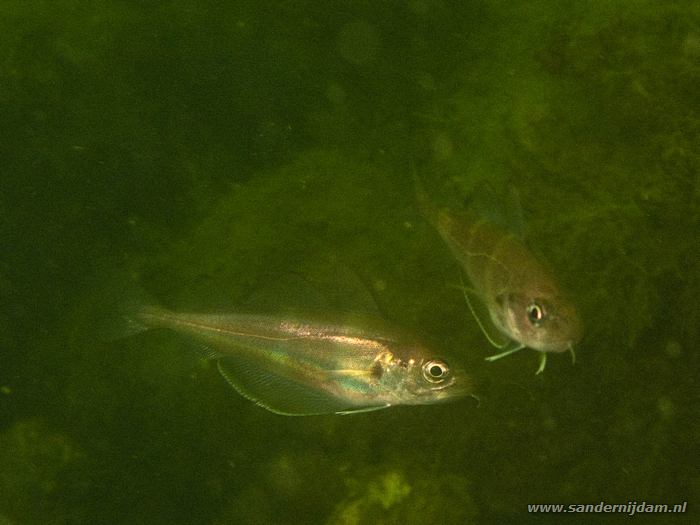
pixel 399 497
pixel 42 475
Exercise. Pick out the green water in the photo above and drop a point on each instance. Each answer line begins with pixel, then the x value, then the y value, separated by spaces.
pixel 208 149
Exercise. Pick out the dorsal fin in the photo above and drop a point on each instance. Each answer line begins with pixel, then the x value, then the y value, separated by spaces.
pixel 498 206
pixel 322 286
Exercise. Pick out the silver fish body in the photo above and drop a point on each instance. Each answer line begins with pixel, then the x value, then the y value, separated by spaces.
pixel 301 367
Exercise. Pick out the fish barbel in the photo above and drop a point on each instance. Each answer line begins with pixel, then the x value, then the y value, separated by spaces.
pixel 302 367
pixel 523 299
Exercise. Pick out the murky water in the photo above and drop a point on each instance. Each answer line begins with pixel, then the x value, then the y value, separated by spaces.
pixel 210 151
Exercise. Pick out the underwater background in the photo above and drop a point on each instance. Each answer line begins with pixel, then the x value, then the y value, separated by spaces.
pixel 207 149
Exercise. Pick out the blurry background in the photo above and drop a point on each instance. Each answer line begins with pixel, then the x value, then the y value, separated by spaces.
pixel 209 147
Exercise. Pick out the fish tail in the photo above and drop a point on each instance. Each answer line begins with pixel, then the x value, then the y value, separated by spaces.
pixel 129 314
pixel 114 310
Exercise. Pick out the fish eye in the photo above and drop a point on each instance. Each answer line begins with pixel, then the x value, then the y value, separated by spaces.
pixel 435 371
pixel 535 314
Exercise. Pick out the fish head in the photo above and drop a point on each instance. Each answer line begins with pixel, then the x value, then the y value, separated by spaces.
pixel 427 380
pixel 543 320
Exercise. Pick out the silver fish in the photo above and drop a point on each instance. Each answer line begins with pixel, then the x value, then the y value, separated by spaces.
pixel 301 367
pixel 523 299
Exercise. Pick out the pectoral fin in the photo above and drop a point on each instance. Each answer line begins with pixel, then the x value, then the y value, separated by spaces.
pixel 543 363
pixel 514 347
pixel 483 319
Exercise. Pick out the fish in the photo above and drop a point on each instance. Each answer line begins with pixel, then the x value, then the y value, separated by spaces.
pixel 526 306
pixel 296 366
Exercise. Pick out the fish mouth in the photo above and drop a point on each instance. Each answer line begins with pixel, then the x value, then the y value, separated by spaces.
pixel 557 346
pixel 460 386
pixel 456 389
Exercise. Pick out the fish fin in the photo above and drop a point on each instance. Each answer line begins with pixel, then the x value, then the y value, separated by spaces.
pixel 205 351
pixel 128 319
pixel 345 288
pixel 500 207
pixel 543 363
pixel 363 409
pixel 118 327
pixel 425 204
pixel 276 393
pixel 514 348
pixel 112 310
pixel 288 291
pixel 483 319
pixel 324 284
pixel 477 399
pixel 516 221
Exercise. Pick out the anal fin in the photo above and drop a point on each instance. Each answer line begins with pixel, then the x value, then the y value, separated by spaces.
pixel 278 392
pixel 363 409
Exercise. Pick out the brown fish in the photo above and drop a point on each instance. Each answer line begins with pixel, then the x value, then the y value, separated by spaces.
pixel 524 302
